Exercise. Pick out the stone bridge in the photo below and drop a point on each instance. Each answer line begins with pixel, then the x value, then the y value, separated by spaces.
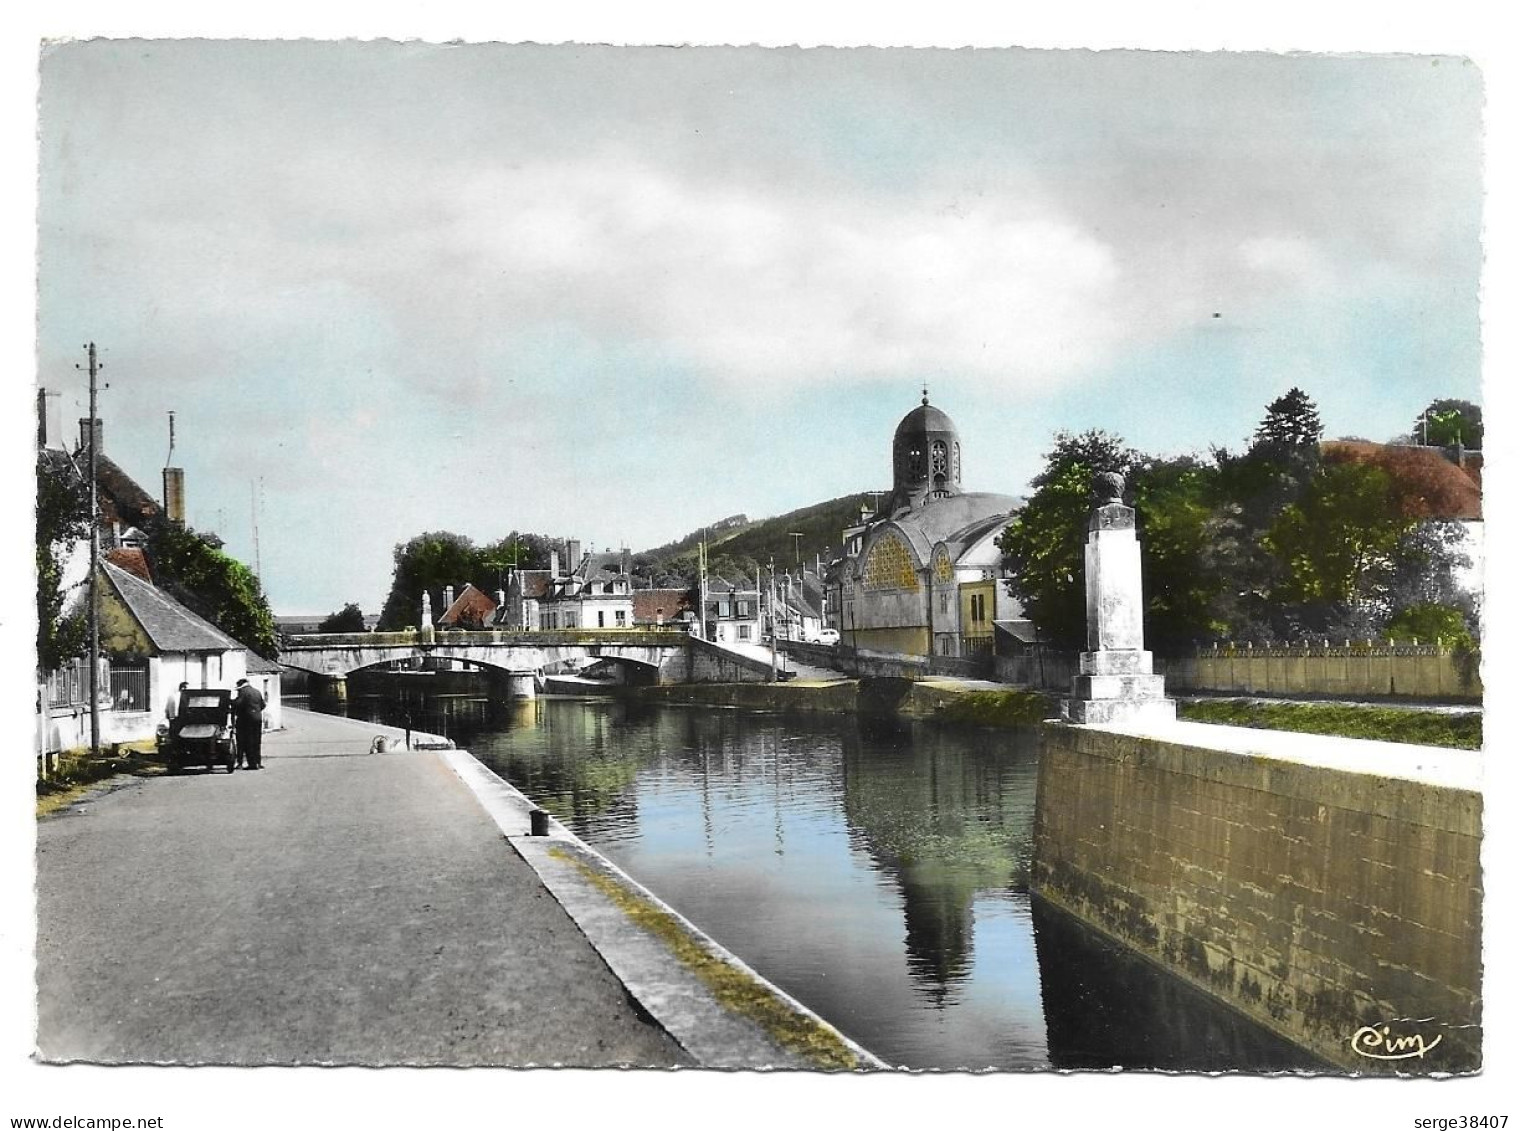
pixel 660 655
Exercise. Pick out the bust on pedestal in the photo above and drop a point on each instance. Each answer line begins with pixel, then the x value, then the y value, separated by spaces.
pixel 1116 683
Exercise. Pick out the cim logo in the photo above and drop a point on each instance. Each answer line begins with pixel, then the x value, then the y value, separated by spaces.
pixel 1377 1042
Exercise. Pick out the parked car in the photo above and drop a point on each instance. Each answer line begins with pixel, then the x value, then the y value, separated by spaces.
pixel 828 636
pixel 201 734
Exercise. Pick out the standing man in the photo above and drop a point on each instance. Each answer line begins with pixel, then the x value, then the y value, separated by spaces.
pixel 173 708
pixel 248 719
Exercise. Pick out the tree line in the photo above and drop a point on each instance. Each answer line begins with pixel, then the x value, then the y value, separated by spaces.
pixel 1289 539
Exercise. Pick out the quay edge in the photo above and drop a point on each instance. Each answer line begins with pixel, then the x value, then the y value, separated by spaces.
pixel 711 1003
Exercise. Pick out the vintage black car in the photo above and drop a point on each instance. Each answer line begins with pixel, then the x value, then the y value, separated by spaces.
pixel 201 734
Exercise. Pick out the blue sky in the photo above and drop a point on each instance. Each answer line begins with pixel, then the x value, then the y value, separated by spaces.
pixel 617 293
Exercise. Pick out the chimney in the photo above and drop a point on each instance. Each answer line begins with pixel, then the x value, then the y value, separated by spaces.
pixel 49 420
pixel 448 597
pixel 572 554
pixel 627 561
pixel 174 495
pixel 85 436
pixel 554 562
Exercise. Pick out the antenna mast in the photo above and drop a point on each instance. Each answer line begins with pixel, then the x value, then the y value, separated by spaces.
pixel 253 493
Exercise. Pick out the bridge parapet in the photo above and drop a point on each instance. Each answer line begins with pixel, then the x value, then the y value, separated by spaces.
pixel 409 638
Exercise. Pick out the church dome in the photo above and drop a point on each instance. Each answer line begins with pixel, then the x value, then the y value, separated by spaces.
pixel 924 418
pixel 926 457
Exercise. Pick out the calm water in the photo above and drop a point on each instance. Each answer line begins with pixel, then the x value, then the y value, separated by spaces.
pixel 875 869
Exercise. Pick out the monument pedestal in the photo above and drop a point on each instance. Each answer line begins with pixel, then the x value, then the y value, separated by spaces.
pixel 1116 682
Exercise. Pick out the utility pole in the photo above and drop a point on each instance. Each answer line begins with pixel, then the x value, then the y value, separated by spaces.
pixel 94 616
pixel 775 641
pixel 702 584
pixel 796 546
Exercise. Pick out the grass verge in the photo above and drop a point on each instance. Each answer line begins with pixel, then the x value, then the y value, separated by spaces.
pixel 1016 707
pixel 1385 724
pixel 735 990
pixel 77 774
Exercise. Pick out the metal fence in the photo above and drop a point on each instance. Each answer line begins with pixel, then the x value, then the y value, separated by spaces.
pixel 129 687
pixel 67 685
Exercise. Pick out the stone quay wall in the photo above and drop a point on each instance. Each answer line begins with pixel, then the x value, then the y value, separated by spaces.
pixel 1407 671
pixel 1315 900
pixel 1361 670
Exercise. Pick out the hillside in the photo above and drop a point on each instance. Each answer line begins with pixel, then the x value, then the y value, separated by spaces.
pixel 736 546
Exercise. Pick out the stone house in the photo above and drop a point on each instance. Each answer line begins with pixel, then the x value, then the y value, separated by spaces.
pixel 596 593
pixel 150 643
pixel 733 613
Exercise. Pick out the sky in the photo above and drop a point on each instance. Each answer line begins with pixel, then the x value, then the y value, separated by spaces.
pixel 617 293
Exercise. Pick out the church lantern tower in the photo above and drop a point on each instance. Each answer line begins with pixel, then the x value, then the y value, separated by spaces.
pixel 926 458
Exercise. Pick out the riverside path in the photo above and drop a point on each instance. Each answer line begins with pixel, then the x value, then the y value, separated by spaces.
pixel 336 907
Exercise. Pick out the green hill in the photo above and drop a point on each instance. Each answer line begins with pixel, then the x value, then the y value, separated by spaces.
pixel 736 546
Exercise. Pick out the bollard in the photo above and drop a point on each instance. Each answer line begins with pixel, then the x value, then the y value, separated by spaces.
pixel 538 822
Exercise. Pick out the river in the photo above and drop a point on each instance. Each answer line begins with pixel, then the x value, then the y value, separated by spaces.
pixel 875 869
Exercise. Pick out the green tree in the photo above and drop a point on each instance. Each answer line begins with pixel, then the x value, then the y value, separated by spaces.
pixel 1432 624
pixel 63 520
pixel 518 550
pixel 1338 542
pixel 1176 524
pixel 427 563
pixel 1043 546
pixel 350 618
pixel 1446 423
pixel 1290 427
pixel 193 569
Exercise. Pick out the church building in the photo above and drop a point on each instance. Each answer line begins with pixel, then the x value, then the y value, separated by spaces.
pixel 921 577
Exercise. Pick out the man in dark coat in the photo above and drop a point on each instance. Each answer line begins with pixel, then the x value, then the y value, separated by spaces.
pixel 248 719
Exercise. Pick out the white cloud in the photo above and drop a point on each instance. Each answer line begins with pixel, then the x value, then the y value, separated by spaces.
pixel 1294 258
pixel 751 281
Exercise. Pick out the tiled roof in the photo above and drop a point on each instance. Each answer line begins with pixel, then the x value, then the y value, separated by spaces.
pixel 1447 491
pixel 600 567
pixel 535 582
pixel 170 626
pixel 648 604
pixel 59 462
pixel 940 519
pixel 133 560
pixel 471 606
pixel 132 503
pixel 257 663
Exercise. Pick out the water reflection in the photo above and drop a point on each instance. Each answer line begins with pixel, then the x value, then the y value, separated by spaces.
pixel 949 816
pixel 875 869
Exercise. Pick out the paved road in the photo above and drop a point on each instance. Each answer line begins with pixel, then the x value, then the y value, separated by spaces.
pixel 335 907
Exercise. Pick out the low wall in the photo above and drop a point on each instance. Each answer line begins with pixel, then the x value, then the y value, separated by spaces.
pixel 702 661
pixel 69 728
pixel 1317 900
pixel 817 655
pixel 1051 671
pixel 1413 671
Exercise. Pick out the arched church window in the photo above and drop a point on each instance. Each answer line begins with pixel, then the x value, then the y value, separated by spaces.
pixel 939 460
pixel 955 463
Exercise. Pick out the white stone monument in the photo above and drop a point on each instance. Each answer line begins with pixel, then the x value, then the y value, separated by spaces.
pixel 1116 683
pixel 426 633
